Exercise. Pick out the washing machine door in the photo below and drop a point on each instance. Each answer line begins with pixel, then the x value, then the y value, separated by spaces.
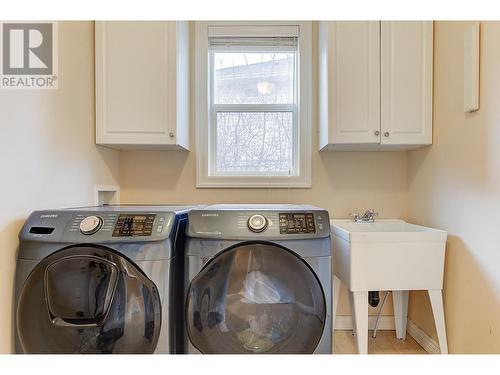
pixel 86 299
pixel 255 298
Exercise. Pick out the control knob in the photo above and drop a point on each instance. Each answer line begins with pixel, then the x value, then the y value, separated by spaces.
pixel 257 223
pixel 90 224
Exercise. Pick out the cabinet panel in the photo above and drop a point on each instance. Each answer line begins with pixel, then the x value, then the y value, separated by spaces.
pixel 406 82
pixel 142 81
pixel 349 82
pixel 136 78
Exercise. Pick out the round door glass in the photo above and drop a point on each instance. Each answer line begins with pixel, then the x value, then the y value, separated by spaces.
pixel 88 300
pixel 255 298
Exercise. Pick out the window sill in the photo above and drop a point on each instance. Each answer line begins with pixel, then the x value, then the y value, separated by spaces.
pixel 253 182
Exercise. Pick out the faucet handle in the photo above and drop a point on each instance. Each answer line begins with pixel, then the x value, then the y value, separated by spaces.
pixel 355 216
pixel 370 215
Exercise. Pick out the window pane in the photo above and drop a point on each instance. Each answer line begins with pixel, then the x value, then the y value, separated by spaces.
pixel 254 142
pixel 253 78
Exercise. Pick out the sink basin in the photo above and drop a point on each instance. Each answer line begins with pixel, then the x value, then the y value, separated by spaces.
pixel 388 255
pixel 385 230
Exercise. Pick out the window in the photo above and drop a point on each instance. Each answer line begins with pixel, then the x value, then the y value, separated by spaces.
pixel 252 106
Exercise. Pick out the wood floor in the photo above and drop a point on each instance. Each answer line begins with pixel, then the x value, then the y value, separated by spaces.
pixel 385 343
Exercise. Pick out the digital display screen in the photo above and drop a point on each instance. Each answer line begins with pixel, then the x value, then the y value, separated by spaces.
pixel 292 223
pixel 134 225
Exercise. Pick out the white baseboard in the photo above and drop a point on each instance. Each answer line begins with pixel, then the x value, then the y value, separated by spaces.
pixel 386 322
pixel 428 343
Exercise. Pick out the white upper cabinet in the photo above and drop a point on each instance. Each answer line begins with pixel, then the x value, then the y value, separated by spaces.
pixel 349 65
pixel 375 82
pixel 406 82
pixel 142 84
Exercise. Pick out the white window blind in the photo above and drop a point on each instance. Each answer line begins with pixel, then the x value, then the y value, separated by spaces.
pixel 244 44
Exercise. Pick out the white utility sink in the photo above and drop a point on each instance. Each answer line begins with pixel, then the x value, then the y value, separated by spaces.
pixel 385 230
pixel 388 255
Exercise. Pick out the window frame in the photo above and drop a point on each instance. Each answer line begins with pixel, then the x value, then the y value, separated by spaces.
pixel 204 131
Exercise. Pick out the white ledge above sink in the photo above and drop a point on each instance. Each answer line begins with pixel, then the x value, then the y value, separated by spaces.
pixel 385 230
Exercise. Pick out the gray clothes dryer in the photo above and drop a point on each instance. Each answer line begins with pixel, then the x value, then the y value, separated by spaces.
pixel 258 280
pixel 100 280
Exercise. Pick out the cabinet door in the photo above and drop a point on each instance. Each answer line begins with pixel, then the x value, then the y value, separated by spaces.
pixel 406 82
pixel 137 84
pixel 349 82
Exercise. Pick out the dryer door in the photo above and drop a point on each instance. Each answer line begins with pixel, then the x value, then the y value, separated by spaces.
pixel 255 298
pixel 86 299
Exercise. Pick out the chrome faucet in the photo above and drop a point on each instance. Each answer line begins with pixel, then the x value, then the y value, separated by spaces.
pixel 367 217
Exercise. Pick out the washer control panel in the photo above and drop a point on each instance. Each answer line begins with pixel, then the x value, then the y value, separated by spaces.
pixel 297 223
pixel 104 224
pixel 85 222
pixel 90 224
pixel 116 226
pixel 131 225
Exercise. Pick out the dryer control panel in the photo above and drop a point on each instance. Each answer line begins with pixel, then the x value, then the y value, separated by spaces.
pixel 259 223
pixel 294 223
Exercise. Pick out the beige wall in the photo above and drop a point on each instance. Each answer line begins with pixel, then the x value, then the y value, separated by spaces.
pixel 342 182
pixel 47 154
pixel 455 185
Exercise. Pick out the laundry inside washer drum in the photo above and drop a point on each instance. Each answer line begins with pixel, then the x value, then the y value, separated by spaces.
pixel 247 300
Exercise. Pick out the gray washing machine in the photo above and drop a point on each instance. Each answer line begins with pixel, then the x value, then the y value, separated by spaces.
pixel 100 280
pixel 258 280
